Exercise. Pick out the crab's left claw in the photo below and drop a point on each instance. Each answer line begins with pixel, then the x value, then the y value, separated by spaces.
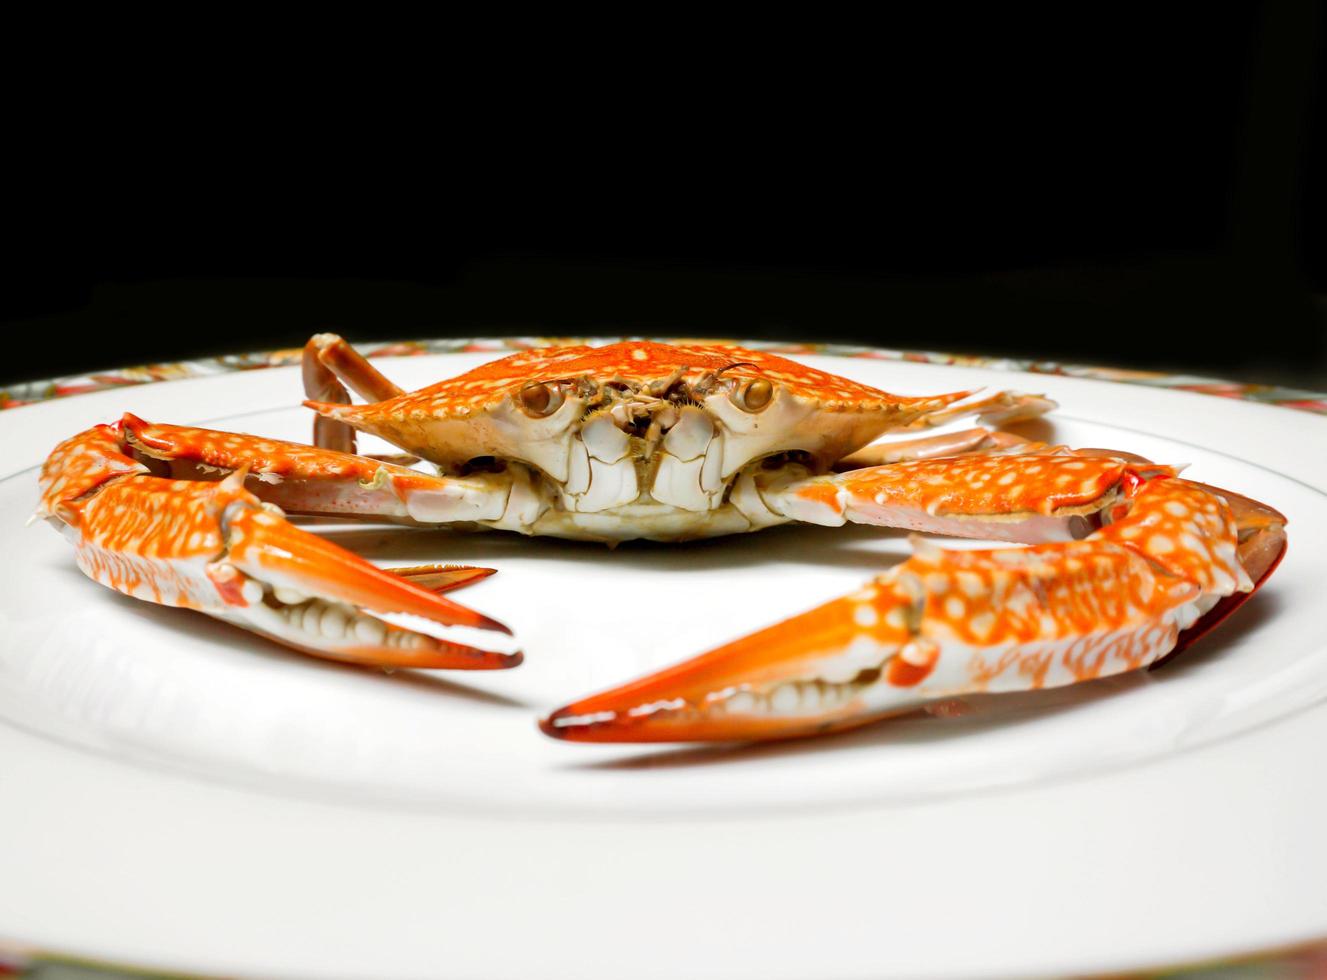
pixel 1170 559
pixel 809 674
pixel 1261 545
pixel 942 625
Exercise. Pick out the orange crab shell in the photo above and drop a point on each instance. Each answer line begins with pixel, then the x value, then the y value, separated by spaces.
pixel 411 420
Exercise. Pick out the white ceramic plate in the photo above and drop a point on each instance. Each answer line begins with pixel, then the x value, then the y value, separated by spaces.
pixel 177 793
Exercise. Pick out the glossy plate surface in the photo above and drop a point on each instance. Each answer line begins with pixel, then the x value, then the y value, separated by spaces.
pixel 179 793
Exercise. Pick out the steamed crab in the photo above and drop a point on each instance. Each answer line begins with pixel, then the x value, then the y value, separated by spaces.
pixel 1122 562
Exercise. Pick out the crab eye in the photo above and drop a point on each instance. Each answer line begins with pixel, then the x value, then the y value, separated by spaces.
pixel 754 395
pixel 539 399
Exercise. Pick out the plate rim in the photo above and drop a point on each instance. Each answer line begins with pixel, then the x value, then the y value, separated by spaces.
pixel 23 393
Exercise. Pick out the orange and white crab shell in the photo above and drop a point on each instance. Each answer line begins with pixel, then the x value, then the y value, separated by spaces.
pixel 645 440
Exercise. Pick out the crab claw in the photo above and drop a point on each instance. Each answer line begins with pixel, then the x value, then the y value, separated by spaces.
pixel 309 593
pixel 1175 558
pixel 813 673
pixel 216 548
pixel 1261 546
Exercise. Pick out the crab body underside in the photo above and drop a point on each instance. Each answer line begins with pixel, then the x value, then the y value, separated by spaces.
pixel 1124 564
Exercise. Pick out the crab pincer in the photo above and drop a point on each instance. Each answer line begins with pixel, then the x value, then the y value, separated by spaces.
pixel 1167 559
pixel 215 547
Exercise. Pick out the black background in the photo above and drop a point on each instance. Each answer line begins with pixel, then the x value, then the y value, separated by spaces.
pixel 1128 187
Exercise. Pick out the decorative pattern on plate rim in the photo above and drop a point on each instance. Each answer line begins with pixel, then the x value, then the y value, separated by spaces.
pixel 1307 962
pixel 30 392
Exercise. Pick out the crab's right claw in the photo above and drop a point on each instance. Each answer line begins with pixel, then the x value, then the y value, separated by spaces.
pixel 216 548
pixel 1174 558
pixel 309 593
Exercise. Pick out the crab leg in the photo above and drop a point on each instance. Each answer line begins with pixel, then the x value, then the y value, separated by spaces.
pixel 962 443
pixel 308 480
pixel 1031 497
pixel 1000 408
pixel 443 578
pixel 1169 557
pixel 215 547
